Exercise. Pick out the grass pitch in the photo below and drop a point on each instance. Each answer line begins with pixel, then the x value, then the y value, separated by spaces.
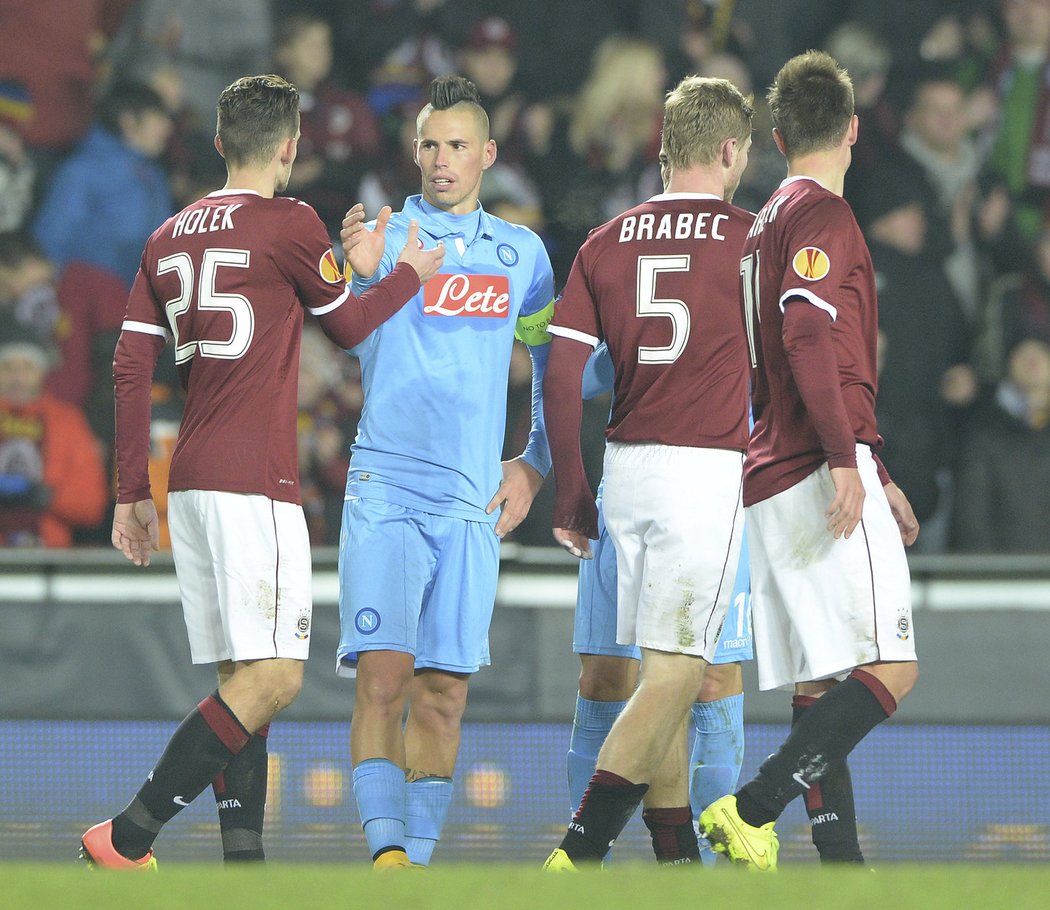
pixel 464 887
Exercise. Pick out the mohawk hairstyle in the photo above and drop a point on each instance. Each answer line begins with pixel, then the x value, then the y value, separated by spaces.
pixel 448 91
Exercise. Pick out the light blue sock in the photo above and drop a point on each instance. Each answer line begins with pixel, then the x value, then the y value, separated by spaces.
pixel 426 805
pixel 379 788
pixel 590 725
pixel 718 752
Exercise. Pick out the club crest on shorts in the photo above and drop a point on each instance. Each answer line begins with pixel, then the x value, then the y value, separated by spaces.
pixel 367 621
pixel 811 263
pixel 329 268
pixel 903 625
pixel 302 626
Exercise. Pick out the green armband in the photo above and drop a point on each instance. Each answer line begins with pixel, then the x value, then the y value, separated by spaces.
pixel 533 329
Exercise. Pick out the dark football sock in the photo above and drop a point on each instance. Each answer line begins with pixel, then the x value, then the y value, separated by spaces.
pixel 673 835
pixel 201 747
pixel 830 806
pixel 823 737
pixel 240 797
pixel 607 806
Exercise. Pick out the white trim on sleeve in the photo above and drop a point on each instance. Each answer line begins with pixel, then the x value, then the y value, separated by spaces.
pixel 573 334
pixel 147 328
pixel 818 302
pixel 328 307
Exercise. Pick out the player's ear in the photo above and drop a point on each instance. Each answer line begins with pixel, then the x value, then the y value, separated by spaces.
pixel 779 140
pixel 489 157
pixel 730 149
pixel 218 145
pixel 854 127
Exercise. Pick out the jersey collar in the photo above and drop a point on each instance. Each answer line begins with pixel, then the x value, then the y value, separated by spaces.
pixel 660 197
pixel 440 224
pixel 788 180
pixel 212 195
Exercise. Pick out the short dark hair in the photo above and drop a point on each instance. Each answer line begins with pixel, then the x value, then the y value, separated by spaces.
pixel 448 91
pixel 254 115
pixel 811 100
pixel 125 97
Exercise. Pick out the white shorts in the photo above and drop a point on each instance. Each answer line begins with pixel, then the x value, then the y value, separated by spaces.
pixel 823 606
pixel 244 571
pixel 675 517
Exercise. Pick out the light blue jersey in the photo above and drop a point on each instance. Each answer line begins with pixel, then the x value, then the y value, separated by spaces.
pixel 418 558
pixel 435 374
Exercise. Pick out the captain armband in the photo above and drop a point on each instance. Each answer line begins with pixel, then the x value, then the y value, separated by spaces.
pixel 532 329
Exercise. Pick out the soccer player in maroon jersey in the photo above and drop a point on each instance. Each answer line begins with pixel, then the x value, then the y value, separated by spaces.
pixel 229 277
pixel 659 285
pixel 827 527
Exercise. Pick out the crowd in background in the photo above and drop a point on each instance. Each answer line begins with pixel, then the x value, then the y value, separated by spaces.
pixel 106 127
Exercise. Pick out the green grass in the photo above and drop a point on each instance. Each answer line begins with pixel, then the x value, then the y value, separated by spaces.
pixel 463 887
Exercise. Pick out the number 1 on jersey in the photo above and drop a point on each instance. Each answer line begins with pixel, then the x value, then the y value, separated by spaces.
pixel 749 288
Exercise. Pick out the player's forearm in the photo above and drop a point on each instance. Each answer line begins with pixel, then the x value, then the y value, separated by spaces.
pixel 357 317
pixel 563 411
pixel 537 451
pixel 598 375
pixel 814 366
pixel 133 364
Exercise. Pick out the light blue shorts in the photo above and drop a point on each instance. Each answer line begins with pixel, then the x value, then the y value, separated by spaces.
pixel 415 582
pixel 594 631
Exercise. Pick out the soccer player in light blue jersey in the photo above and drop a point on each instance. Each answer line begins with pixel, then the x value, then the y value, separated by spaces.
pixel 427 498
pixel 608 670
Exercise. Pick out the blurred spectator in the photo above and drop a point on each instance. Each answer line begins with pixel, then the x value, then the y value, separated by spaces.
pixel 193 168
pixel 51 476
pixel 48 46
pixel 867 58
pixel 1020 139
pixel 766 166
pixel 413 41
pixel 923 34
pixel 396 175
pixel 1018 307
pixel 325 432
pixel 602 158
pixel 926 342
pixel 27 292
pixel 17 170
pixel 490 60
pixel 211 42
pixel 1003 501
pixel 339 133
pixel 109 195
pixel 935 137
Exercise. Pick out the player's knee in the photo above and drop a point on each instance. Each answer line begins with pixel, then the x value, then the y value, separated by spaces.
pixel 443 696
pixel 285 684
pixel 607 678
pixel 720 681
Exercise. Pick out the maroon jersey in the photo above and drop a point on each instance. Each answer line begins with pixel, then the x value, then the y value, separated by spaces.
pixel 659 285
pixel 805 245
pixel 228 278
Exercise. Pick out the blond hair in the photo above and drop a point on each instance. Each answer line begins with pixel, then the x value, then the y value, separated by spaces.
pixel 699 115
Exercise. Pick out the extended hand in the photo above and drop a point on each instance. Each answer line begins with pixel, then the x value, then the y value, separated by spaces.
pixel 847 507
pixel 521 483
pixel 363 247
pixel 425 262
pixel 136 530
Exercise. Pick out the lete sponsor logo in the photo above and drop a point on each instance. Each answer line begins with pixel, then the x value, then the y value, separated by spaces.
pixel 467 295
